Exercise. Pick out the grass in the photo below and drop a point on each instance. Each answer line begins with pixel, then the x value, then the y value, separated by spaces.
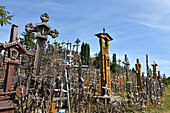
pixel 165 107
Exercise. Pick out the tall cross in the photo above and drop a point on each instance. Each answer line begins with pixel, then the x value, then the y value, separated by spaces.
pixel 12 56
pixel 68 43
pixel 147 66
pixel 43 30
pixel 126 63
pixel 119 66
pixel 120 80
pixel 138 72
pixel 10 66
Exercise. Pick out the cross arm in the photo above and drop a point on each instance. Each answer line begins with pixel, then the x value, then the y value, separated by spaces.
pixel 30 28
pixel 54 33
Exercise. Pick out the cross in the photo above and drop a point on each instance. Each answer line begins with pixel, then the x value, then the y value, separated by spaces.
pixel 62 43
pixel 77 42
pixel 105 96
pixel 43 30
pixel 12 56
pixel 95 54
pixel 119 66
pixel 120 80
pixel 104 30
pixel 119 61
pixel 138 72
pixel 73 47
pixel 68 43
pixel 126 63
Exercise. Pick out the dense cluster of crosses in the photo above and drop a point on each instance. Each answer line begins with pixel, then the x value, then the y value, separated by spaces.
pixel 52 78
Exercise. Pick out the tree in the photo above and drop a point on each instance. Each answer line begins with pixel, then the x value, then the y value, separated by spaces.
pixel 82 52
pixel 114 58
pixel 5 16
pixel 56 45
pixel 113 65
pixel 96 62
pixel 28 40
pixel 85 53
pixel 88 55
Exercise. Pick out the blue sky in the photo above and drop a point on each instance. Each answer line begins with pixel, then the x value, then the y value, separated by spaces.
pixel 138 27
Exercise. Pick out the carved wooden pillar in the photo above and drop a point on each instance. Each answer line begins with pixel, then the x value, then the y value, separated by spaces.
pixel 104 39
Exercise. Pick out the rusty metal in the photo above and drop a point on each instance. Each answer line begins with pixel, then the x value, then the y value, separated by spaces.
pixel 12 56
pixel 18 91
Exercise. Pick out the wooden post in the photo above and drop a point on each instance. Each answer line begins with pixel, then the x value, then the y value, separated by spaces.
pixel 138 73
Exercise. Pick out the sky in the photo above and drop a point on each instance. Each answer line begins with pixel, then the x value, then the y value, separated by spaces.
pixel 138 27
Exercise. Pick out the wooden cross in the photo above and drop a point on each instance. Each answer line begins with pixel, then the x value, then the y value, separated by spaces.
pixel 120 80
pixel 138 72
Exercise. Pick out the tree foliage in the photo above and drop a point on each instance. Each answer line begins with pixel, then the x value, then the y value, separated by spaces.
pixel 113 65
pixel 5 16
pixel 56 45
pixel 28 40
pixel 82 52
pixel 114 58
pixel 85 54
pixel 96 62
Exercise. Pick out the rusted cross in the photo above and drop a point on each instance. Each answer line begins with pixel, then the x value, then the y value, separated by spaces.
pixel 120 80
pixel 42 29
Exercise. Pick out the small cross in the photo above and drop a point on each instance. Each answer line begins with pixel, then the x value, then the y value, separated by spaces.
pixel 120 80
pixel 104 30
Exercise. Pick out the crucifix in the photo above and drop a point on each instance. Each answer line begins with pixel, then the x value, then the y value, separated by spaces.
pixel 126 63
pixel 43 30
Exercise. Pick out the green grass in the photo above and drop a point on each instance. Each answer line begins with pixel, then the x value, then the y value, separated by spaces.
pixel 165 107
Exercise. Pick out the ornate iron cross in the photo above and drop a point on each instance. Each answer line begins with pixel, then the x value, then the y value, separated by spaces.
pixel 43 30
